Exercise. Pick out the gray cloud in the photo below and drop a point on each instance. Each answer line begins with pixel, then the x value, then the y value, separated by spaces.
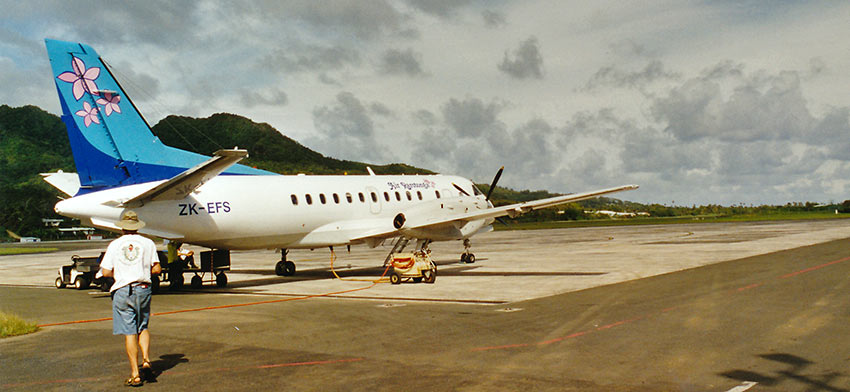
pixel 763 107
pixel 310 58
pixel 440 8
pixel 398 62
pixel 494 19
pixel 524 62
pixel 269 97
pixel 611 76
pixel 363 20
pixel 347 131
pixel 472 117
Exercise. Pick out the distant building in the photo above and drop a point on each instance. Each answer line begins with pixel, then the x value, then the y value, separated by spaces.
pixel 615 214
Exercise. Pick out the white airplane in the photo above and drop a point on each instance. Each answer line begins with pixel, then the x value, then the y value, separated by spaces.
pixel 216 203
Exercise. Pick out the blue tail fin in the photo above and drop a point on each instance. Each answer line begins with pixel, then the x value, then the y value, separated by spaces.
pixel 112 144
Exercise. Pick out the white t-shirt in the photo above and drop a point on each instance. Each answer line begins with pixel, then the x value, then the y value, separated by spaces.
pixel 130 257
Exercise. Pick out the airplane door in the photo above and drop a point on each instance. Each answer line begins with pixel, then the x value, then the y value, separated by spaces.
pixel 374 200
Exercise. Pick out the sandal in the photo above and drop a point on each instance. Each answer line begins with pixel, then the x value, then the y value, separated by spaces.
pixel 134 382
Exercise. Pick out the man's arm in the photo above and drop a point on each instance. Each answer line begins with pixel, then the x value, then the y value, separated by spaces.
pixel 156 268
pixel 106 272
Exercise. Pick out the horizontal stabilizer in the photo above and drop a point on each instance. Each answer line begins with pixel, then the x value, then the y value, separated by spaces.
pixel 184 183
pixel 68 183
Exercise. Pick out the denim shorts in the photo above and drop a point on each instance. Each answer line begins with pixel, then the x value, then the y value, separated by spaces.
pixel 131 312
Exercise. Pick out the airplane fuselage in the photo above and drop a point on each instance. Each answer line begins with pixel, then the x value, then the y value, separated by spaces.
pixel 257 212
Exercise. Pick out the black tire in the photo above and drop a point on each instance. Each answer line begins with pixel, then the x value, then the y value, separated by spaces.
pixel 284 268
pixel 288 268
pixel 81 283
pixel 60 284
pixel 395 278
pixel 197 282
pixel 417 280
pixel 470 258
pixel 431 276
pixel 221 280
pixel 463 257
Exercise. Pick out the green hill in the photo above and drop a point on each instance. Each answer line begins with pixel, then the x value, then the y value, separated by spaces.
pixel 268 148
pixel 32 141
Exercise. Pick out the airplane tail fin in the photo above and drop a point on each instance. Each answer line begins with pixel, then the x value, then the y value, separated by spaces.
pixel 112 143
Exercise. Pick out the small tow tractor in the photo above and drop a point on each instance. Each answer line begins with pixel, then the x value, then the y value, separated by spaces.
pixel 82 273
pixel 416 266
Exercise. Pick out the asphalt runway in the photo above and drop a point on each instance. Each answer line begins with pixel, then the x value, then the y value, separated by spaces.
pixel 696 308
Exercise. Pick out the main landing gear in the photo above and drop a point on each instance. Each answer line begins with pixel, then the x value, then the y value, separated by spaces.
pixel 467 256
pixel 284 267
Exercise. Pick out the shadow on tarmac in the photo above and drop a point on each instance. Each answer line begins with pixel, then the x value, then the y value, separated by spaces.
pixel 794 367
pixel 165 362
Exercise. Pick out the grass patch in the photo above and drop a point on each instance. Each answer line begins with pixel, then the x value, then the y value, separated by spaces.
pixel 670 220
pixel 12 325
pixel 23 251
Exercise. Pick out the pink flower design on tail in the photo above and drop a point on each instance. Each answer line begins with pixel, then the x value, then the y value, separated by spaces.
pixel 89 114
pixel 82 78
pixel 110 103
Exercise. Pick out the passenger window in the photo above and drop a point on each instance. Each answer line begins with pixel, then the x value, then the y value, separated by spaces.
pixel 348 197
pixel 322 198
pixel 408 196
pixel 294 200
pixel 419 194
pixel 362 198
pixel 336 198
pixel 386 196
pixel 437 193
pixel 308 198
pixel 397 196
pixel 374 197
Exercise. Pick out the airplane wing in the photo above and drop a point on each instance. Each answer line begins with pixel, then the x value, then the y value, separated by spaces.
pixel 512 210
pixel 179 186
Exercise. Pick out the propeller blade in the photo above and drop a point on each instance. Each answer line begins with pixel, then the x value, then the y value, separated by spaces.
pixel 460 189
pixel 495 180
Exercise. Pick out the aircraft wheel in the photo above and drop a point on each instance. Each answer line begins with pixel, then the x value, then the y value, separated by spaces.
pixel 197 282
pixel 221 280
pixel 470 258
pixel 395 278
pixel 463 257
pixel 60 283
pixel 81 283
pixel 284 268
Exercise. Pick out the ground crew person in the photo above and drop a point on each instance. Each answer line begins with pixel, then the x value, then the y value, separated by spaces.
pixel 131 259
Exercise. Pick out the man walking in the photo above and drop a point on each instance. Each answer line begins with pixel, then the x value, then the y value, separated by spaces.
pixel 131 259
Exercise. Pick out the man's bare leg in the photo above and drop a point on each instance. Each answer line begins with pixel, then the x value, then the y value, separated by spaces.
pixel 132 344
pixel 145 343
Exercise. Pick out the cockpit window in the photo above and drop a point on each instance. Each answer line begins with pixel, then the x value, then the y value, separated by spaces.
pixel 476 191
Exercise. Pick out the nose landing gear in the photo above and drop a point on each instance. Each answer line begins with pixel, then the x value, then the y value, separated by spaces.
pixel 284 267
pixel 467 256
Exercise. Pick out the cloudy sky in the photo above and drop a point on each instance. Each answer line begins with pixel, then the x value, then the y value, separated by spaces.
pixel 699 102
